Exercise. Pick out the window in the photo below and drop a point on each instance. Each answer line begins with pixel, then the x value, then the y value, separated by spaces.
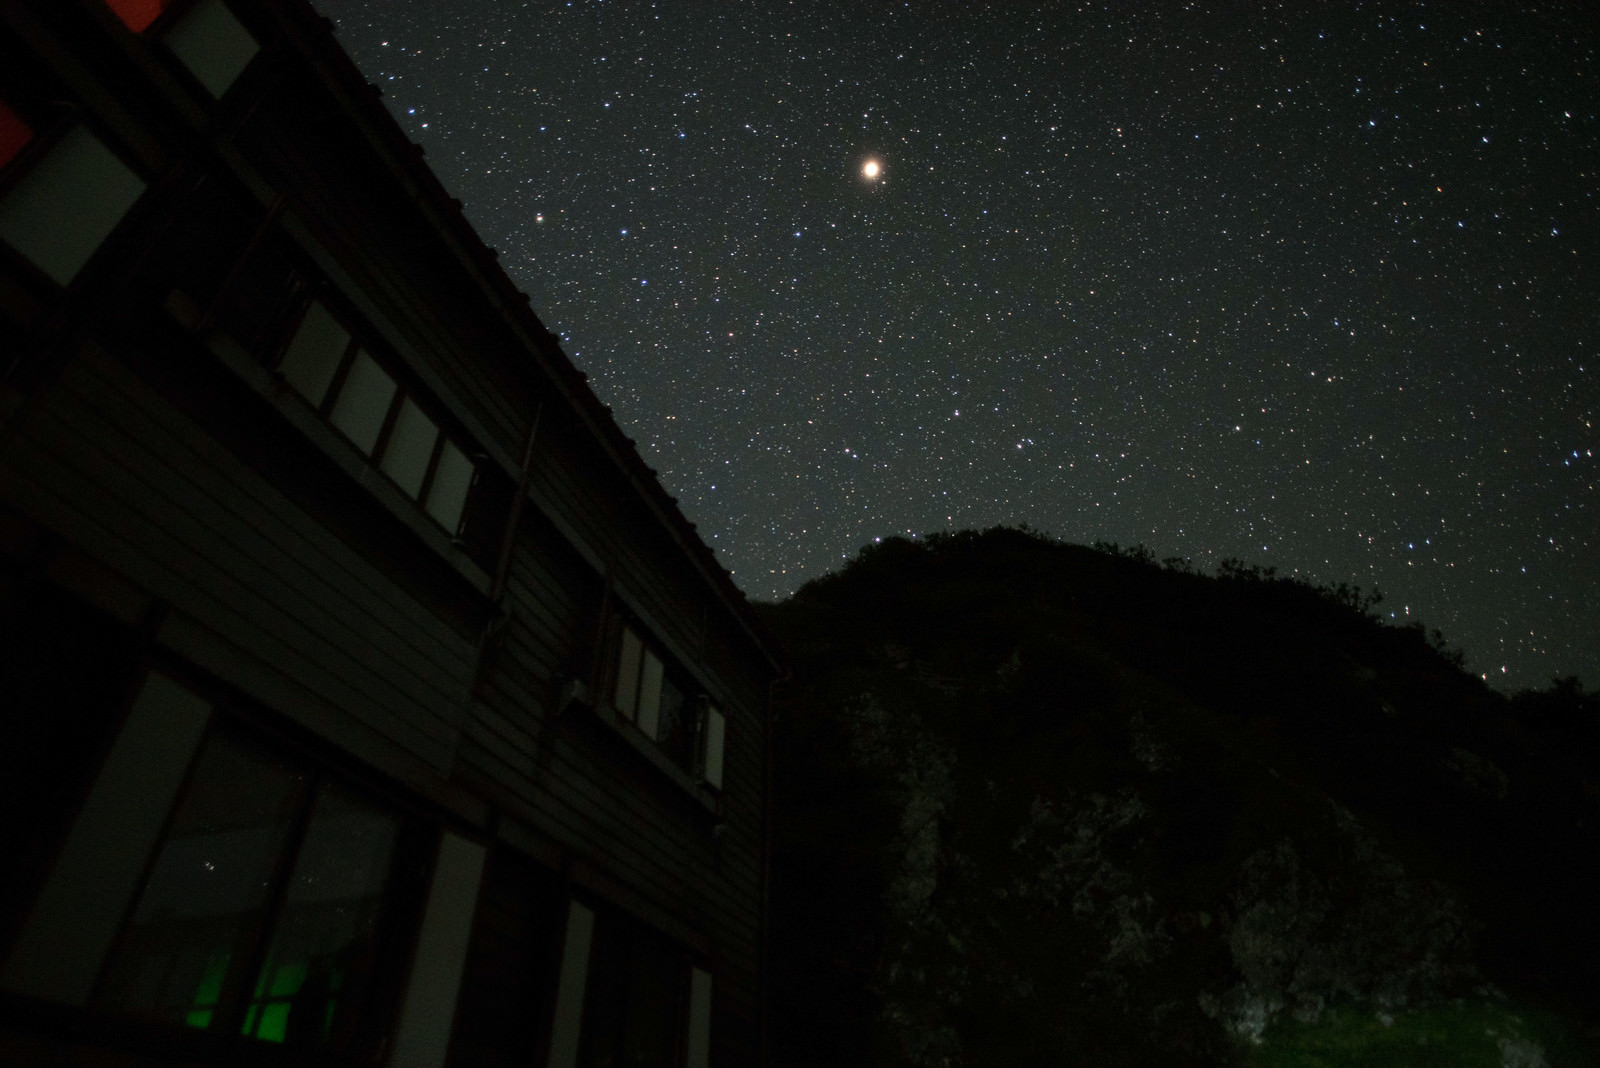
pixel 14 134
pixel 60 209
pixel 508 983
pixel 716 725
pixel 662 702
pixel 138 14
pixel 212 44
pixel 329 368
pixel 636 1004
pixel 263 910
pixel 61 717
pixel 411 445
pixel 274 307
pixel 627 996
pixel 362 402
pixel 631 663
pixel 315 353
pixel 452 478
pixel 205 38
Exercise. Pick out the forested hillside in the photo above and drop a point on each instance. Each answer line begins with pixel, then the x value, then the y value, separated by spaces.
pixel 1041 804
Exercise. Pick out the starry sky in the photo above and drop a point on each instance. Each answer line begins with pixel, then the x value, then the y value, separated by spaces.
pixel 1309 285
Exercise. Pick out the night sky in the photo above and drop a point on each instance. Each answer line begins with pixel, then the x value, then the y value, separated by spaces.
pixel 1311 285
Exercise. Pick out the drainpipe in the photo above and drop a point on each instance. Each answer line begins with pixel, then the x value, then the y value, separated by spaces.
pixel 502 571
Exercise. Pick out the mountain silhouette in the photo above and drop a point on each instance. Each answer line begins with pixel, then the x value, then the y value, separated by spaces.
pixel 1041 804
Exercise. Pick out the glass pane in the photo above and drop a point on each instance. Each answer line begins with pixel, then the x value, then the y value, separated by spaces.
pixel 650 694
pixel 138 14
pixel 67 204
pixel 14 134
pixel 655 1005
pixel 634 1007
pixel 363 402
pixel 309 989
pixel 208 887
pixel 716 727
pixel 627 696
pixel 567 1022
pixel 313 355
pixel 451 481
pixel 675 723
pixel 212 44
pixel 410 447
pixel 605 994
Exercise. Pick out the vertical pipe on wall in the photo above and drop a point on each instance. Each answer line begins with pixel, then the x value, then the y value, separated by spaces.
pixel 502 570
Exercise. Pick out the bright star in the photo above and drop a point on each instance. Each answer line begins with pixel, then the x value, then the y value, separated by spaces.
pixel 871 169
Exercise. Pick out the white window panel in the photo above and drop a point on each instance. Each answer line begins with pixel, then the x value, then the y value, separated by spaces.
pixel 566 1027
pixel 452 479
pixel 716 729
pixel 698 1054
pixel 313 355
pixel 97 874
pixel 423 1037
pixel 650 694
pixel 67 204
pixel 627 694
pixel 212 44
pixel 363 402
pixel 410 447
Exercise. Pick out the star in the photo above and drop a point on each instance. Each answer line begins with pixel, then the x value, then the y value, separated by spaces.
pixel 1079 257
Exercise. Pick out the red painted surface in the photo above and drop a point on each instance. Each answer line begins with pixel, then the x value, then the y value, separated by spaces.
pixel 14 134
pixel 138 13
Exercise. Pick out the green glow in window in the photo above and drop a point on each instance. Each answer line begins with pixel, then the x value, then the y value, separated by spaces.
pixel 274 1022
pixel 286 981
pixel 208 992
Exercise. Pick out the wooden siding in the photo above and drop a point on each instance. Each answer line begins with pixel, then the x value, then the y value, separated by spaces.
pixel 292 572
pixel 104 461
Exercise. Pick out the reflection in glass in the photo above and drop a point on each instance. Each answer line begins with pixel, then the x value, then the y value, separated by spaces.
pixel 676 729
pixel 207 890
pixel 634 1006
pixel 322 946
pixel 244 865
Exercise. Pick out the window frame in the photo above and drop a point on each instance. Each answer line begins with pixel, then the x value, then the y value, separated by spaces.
pixel 250 321
pixel 164 10
pixel 156 33
pixel 699 710
pixel 359 342
pixel 49 121
pixel 52 122
pixel 21 155
pixel 402 901
pixel 595 986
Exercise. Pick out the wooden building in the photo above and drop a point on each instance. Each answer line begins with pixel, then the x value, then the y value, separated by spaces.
pixel 365 698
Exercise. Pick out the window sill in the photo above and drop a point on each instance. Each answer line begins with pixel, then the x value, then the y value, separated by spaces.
pixel 645 747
